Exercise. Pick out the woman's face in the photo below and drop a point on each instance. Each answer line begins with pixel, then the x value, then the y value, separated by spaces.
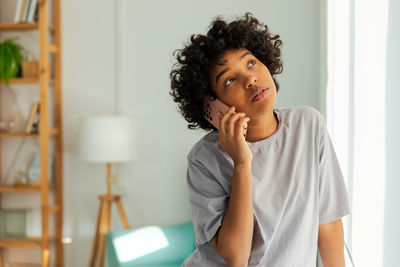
pixel 237 77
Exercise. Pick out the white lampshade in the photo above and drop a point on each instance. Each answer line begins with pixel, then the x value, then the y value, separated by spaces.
pixel 105 139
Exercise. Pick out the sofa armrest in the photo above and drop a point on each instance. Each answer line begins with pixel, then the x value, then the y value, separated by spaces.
pixel 151 245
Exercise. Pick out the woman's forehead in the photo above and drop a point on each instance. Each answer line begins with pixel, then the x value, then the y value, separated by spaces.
pixel 230 53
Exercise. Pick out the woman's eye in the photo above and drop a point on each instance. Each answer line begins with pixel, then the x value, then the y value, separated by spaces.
pixel 252 63
pixel 228 82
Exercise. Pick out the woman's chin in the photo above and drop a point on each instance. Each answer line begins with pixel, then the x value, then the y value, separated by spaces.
pixel 261 110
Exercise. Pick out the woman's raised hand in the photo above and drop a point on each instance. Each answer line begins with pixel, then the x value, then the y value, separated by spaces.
pixel 231 137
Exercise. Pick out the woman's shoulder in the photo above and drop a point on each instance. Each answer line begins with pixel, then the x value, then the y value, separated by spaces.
pixel 208 143
pixel 300 113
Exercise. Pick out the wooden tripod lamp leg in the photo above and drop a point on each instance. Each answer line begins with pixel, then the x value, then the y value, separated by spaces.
pixel 45 257
pixel 104 231
pixel 104 228
pixel 122 213
pixel 96 237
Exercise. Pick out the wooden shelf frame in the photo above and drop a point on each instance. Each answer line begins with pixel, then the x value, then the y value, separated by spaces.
pixel 51 132
pixel 18 26
pixel 22 26
pixel 24 242
pixel 45 132
pixel 19 189
pixel 22 189
pixel 26 80
pixel 20 242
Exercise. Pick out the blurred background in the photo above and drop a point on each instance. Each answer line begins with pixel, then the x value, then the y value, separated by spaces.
pixel 340 57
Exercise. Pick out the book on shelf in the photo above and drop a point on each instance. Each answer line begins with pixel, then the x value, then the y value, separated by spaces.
pixel 35 125
pixel 32 10
pixel 26 11
pixel 32 125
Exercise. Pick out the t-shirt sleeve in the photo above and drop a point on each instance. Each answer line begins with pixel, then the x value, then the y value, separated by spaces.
pixel 208 200
pixel 333 198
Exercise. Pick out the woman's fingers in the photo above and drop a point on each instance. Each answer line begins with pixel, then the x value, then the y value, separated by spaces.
pixel 232 122
pixel 223 119
pixel 240 125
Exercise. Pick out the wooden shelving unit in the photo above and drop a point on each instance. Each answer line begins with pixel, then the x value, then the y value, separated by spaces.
pixel 22 189
pixel 29 242
pixel 18 26
pixel 45 133
pixel 22 26
pixel 20 242
pixel 26 80
pixel 51 132
pixel 19 189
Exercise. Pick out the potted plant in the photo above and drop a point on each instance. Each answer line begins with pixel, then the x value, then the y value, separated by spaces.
pixel 10 59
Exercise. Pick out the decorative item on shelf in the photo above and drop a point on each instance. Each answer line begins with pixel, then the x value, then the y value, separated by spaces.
pixel 10 173
pixel 30 67
pixel 104 140
pixel 34 170
pixel 20 175
pixel 16 123
pixel 10 59
pixel 32 126
pixel 12 223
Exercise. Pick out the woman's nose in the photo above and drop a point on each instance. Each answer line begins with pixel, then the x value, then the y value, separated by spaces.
pixel 250 82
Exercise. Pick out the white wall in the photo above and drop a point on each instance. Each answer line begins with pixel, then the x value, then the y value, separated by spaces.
pixel 392 197
pixel 88 89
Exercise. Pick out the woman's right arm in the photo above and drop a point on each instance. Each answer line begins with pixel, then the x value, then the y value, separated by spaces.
pixel 234 237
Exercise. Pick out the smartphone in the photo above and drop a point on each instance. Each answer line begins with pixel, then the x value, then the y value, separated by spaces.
pixel 211 108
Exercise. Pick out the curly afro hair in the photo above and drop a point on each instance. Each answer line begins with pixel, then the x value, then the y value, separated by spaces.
pixel 190 74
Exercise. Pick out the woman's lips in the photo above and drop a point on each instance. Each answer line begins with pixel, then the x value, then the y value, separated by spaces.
pixel 261 96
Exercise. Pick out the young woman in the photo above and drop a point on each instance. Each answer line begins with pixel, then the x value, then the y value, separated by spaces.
pixel 271 197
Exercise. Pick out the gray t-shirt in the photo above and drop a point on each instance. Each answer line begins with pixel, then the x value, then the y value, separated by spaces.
pixel 297 185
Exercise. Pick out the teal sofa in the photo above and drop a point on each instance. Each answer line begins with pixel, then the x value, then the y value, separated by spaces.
pixel 156 246
pixel 151 246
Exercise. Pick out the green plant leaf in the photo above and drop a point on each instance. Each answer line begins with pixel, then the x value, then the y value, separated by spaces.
pixel 10 59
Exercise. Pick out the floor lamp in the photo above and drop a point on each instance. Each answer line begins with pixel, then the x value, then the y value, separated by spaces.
pixel 105 140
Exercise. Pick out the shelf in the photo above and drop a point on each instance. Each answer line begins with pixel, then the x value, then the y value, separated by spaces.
pixel 48 84
pixel 24 80
pixel 32 242
pixel 24 242
pixel 18 26
pixel 21 26
pixel 52 132
pixel 21 189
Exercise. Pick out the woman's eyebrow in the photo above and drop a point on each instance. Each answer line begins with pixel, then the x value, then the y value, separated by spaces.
pixel 225 70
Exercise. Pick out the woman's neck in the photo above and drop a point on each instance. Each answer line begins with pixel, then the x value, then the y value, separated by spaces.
pixel 261 127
